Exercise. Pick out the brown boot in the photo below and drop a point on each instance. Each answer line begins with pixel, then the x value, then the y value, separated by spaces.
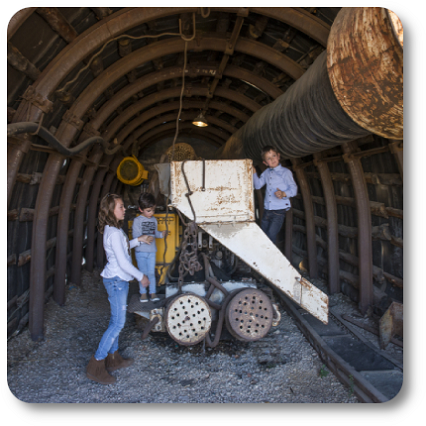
pixel 96 371
pixel 115 361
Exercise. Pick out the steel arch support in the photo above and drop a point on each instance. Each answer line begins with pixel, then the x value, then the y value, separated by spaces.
pixel 91 217
pixel 332 222
pixel 62 230
pixel 154 112
pixel 106 187
pixel 309 218
pixel 365 250
pixel 83 191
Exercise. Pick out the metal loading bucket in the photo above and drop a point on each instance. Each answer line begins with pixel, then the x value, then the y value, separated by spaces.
pixel 219 195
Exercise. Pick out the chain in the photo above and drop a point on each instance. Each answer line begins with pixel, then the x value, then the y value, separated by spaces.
pixel 188 259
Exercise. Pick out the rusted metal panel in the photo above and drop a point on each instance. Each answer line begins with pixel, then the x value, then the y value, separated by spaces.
pixel 227 195
pixel 267 260
pixel 225 210
pixel 365 66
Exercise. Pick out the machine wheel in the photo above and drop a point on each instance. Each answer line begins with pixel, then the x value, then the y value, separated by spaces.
pixel 249 315
pixel 188 319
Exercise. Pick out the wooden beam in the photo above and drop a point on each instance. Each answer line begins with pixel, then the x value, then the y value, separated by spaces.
pixel 58 23
pixel 18 61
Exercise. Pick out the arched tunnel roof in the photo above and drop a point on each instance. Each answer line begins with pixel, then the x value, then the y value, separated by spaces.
pixel 117 73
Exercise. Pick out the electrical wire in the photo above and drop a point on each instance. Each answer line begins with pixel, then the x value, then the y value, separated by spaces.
pixel 180 33
pixel 185 56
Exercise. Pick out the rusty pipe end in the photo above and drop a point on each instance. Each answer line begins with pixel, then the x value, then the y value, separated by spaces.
pixel 365 67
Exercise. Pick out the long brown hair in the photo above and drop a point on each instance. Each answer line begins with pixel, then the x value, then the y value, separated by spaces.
pixel 106 213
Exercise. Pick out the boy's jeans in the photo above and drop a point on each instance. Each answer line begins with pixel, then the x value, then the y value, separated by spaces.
pixel 146 264
pixel 117 290
pixel 272 221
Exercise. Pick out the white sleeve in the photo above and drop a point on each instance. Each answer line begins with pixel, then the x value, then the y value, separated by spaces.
pixel 134 243
pixel 123 262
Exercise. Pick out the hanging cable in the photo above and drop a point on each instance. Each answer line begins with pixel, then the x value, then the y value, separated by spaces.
pixel 180 33
pixel 205 13
pixel 185 54
pixel 14 129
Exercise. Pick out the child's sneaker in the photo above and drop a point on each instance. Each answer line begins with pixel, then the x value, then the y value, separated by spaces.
pixel 143 298
pixel 154 298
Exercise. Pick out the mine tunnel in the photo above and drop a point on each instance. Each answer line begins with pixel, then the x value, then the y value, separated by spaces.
pixel 92 88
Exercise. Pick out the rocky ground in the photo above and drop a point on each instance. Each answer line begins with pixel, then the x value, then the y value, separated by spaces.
pixel 283 367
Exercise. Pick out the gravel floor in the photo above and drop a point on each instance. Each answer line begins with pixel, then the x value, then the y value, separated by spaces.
pixel 282 367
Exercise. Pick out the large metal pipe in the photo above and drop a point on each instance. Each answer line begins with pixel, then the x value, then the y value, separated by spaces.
pixel 364 62
pixel 309 116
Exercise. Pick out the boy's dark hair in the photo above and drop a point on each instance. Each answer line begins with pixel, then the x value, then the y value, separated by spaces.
pixel 266 149
pixel 146 200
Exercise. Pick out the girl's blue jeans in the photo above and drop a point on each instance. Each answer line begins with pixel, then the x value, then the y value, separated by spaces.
pixel 117 290
pixel 272 221
pixel 146 264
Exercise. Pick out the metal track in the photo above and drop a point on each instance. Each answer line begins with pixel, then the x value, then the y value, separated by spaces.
pixel 371 374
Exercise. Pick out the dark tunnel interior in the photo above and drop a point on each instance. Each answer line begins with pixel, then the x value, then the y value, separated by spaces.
pixel 88 87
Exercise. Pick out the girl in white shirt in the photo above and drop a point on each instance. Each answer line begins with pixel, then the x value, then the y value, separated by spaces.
pixel 116 276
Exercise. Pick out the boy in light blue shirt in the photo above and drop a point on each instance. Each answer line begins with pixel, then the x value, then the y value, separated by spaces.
pixel 280 186
pixel 145 253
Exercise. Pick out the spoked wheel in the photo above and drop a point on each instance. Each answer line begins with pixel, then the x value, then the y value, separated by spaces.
pixel 188 319
pixel 249 315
